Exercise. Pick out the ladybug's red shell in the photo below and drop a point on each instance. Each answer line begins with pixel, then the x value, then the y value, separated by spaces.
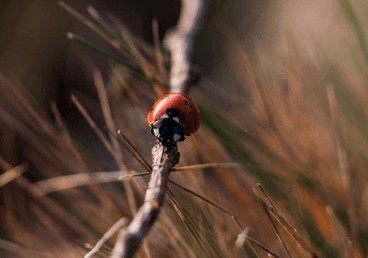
pixel 189 118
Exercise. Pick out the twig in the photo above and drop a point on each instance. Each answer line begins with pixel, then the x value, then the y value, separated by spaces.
pixel 164 159
pixel 179 42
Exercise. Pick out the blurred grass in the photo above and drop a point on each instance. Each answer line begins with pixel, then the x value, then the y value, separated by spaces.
pixel 356 27
pixel 301 133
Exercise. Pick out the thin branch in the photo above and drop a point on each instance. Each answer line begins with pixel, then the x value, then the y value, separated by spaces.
pixel 164 159
pixel 179 42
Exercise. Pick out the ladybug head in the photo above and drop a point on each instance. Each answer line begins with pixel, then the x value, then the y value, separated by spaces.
pixel 167 129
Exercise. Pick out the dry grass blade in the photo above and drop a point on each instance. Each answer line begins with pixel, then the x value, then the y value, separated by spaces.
pixel 90 24
pixel 56 184
pixel 22 250
pixel 225 165
pixel 285 224
pixel 132 149
pixel 277 232
pixel 53 207
pixel 29 123
pixel 243 236
pixel 92 124
pixel 65 135
pixel 124 47
pixel 340 142
pixel 12 173
pixel 107 114
pixel 108 234
pixel 127 45
pixel 347 248
pixel 149 71
pixel 107 27
pixel 61 183
pixel 121 61
pixel 109 121
pixel 184 216
pixel 114 147
pixel 208 201
pixel 158 51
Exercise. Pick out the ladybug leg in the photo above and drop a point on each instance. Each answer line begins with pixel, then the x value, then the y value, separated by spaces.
pixel 155 127
pixel 151 129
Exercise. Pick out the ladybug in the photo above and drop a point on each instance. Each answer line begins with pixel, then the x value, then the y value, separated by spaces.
pixel 172 117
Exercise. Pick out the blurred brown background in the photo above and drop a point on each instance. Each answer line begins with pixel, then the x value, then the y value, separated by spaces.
pixel 283 93
pixel 34 48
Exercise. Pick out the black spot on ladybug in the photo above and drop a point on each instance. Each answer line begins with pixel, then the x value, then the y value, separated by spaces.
pixel 188 104
pixel 195 122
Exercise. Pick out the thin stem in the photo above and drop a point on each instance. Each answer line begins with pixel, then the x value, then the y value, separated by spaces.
pixel 108 234
pixel 208 201
pixel 179 42
pixel 130 239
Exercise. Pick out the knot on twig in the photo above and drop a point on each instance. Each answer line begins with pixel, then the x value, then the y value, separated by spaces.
pixel 161 156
